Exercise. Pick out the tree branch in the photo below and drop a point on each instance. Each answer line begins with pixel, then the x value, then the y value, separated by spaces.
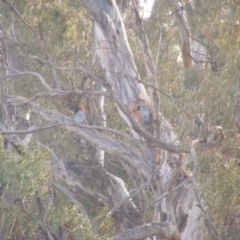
pixel 165 230
pixel 135 193
pixel 116 148
pixel 19 73
pixel 60 172
pixel 31 130
pixel 71 196
pixel 81 68
pixel 172 190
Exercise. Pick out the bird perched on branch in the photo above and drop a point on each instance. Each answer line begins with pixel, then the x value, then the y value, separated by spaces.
pixel 80 114
pixel 144 110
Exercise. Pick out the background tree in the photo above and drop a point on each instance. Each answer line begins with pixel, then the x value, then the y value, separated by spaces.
pixel 160 136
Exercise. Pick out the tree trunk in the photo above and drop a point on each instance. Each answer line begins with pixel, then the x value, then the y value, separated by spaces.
pixel 121 73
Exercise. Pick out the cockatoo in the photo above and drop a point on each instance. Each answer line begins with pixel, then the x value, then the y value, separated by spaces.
pixel 144 110
pixel 80 115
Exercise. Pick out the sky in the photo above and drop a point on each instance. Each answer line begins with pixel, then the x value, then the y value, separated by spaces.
pixel 147 7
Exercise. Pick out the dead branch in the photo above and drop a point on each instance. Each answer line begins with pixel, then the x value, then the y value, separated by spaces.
pixel 19 73
pixel 114 147
pixel 80 67
pixel 136 192
pixel 172 190
pixel 71 196
pixel 31 130
pixel 166 230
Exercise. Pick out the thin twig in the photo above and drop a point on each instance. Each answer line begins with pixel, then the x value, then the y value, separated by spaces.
pixel 60 93
pixel 158 51
pixel 172 190
pixel 81 68
pixel 19 73
pixel 159 90
pixel 29 131
pixel 71 196
pixel 135 193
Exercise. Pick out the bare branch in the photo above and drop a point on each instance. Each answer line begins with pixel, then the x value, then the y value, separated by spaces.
pixel 60 172
pixel 88 73
pixel 165 230
pixel 114 147
pixel 81 68
pixel 149 137
pixel 19 73
pixel 158 51
pixel 159 90
pixel 172 190
pixel 71 196
pixel 135 193
pixel 60 93
pixel 31 130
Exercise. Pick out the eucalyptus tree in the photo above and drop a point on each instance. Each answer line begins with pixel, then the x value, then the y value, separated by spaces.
pixel 129 170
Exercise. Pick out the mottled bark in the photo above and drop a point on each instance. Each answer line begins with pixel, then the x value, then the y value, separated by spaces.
pixel 116 59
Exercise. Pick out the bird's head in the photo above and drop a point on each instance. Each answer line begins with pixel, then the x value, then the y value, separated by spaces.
pixel 82 107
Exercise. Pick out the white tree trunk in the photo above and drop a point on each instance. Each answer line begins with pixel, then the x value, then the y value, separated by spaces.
pixel 117 60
